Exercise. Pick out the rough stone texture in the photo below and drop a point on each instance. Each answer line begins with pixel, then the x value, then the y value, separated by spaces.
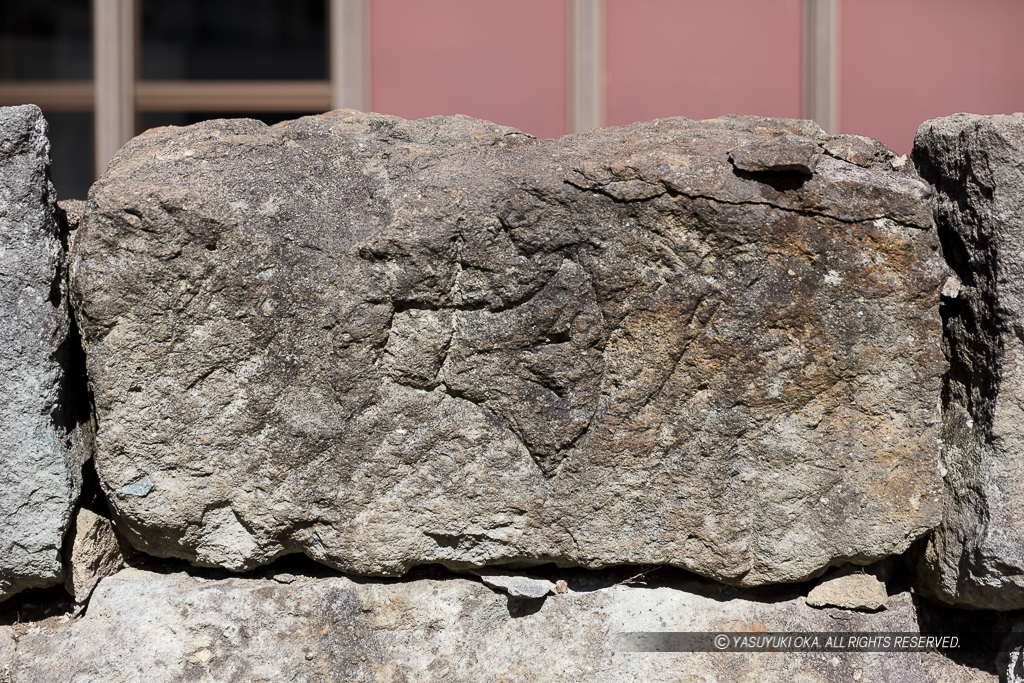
pixel 7 654
pixel 156 627
pixel 91 553
pixel 39 476
pixel 853 591
pixel 1013 671
pixel 976 557
pixel 384 343
pixel 73 210
pixel 516 585
pixel 1010 661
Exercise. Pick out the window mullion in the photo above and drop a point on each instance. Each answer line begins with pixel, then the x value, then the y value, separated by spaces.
pixel 586 65
pixel 821 63
pixel 114 49
pixel 348 36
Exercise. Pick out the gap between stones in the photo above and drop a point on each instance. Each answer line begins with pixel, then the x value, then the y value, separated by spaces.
pixel 37 605
pixel 52 608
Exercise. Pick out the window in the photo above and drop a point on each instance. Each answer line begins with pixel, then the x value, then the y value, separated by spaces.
pixel 104 70
pixel 46 58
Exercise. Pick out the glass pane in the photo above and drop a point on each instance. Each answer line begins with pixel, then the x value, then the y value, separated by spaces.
pixel 234 39
pixel 70 152
pixel 45 39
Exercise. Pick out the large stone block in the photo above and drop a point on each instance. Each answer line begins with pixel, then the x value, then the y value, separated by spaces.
pixel 142 626
pixel 976 557
pixel 39 478
pixel 714 345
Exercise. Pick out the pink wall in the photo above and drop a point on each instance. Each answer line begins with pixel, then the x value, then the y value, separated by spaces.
pixel 505 60
pixel 908 61
pixel 702 59
pixel 501 60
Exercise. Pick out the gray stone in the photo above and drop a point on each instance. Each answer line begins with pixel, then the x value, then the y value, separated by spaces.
pixel 516 585
pixel 384 343
pixel 1010 660
pixel 976 557
pixel 799 154
pixel 850 591
pixel 92 552
pixel 73 210
pixel 141 488
pixel 863 151
pixel 171 627
pixel 7 653
pixel 40 477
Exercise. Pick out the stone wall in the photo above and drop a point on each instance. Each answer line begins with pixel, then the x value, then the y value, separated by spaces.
pixel 507 396
pixel 40 478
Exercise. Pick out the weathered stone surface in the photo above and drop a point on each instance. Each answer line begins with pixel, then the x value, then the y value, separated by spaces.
pixel 516 585
pixel 39 478
pixel 73 210
pixel 976 557
pixel 384 343
pixel 766 154
pixel 1010 661
pixel 156 627
pixel 7 654
pixel 851 591
pixel 91 553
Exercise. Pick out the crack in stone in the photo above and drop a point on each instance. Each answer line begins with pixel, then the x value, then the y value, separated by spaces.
pixel 599 189
pixel 548 463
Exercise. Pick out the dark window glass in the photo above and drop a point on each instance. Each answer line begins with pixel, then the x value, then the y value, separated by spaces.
pixel 154 119
pixel 45 40
pixel 234 39
pixel 71 152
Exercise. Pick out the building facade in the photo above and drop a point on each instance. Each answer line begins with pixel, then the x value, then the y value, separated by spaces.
pixel 104 70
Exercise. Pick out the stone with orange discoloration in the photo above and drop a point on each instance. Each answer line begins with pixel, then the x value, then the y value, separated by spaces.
pixel 385 343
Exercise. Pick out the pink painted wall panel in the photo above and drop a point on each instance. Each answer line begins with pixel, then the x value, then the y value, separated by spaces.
pixel 702 59
pixel 908 61
pixel 501 60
